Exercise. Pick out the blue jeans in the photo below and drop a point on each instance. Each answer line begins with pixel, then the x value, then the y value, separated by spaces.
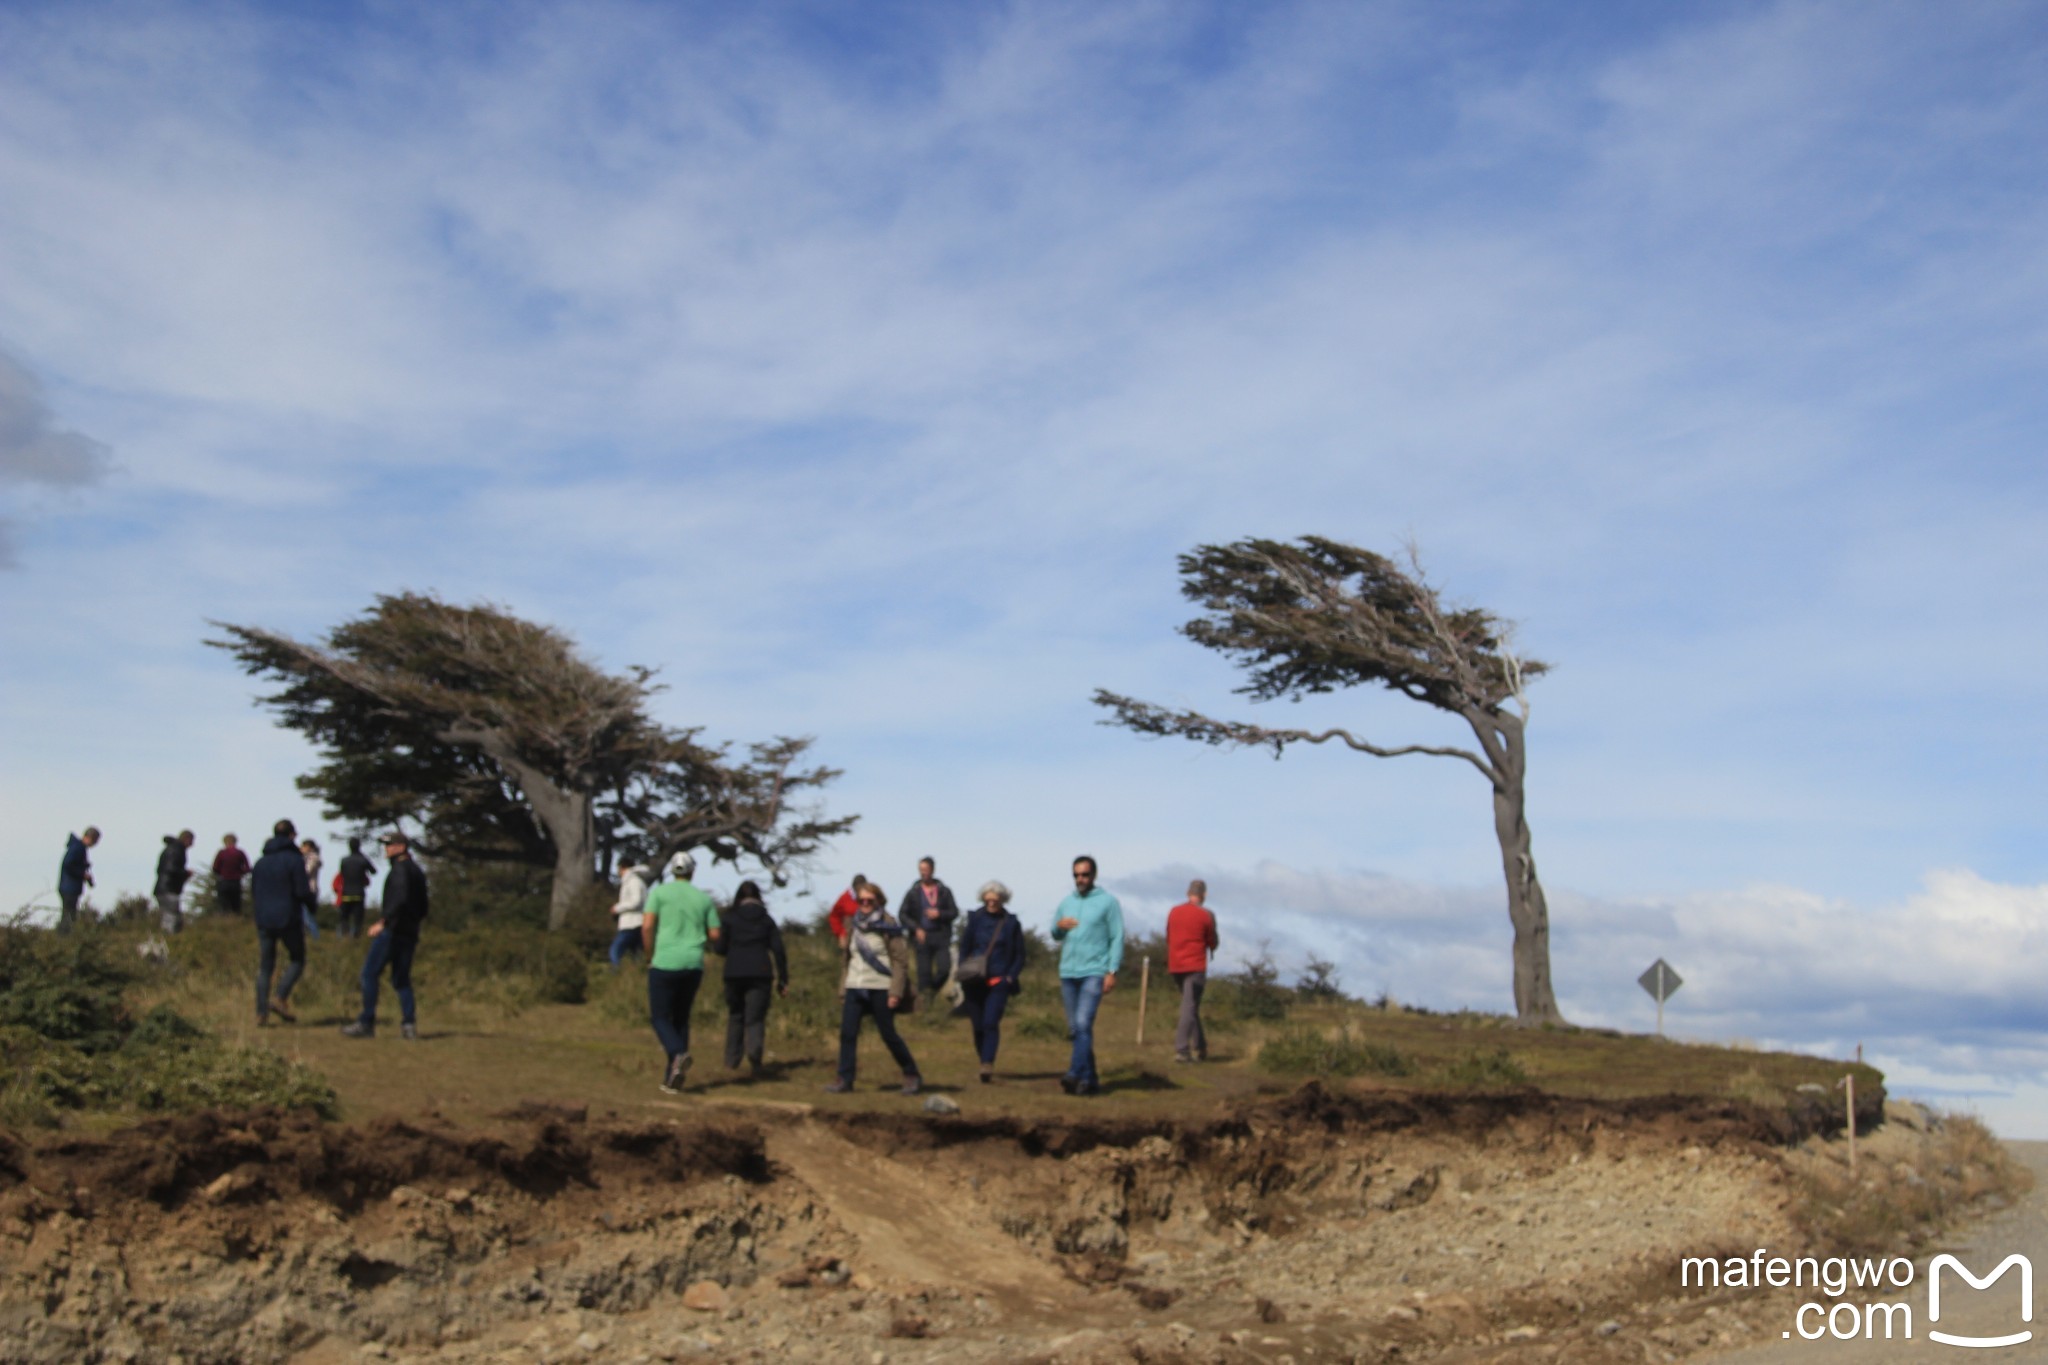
pixel 985 1006
pixel 669 997
pixel 1082 995
pixel 876 1003
pixel 293 937
pixel 626 940
pixel 388 947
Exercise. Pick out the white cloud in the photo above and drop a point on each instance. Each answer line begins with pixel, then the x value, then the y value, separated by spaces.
pixel 870 392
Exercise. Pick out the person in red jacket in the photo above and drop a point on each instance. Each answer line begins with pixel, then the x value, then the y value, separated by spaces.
pixel 1190 943
pixel 845 908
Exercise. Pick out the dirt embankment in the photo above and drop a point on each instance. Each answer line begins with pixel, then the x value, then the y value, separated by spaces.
pixel 1317 1227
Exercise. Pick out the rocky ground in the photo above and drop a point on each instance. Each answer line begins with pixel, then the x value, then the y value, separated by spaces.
pixel 1312 1227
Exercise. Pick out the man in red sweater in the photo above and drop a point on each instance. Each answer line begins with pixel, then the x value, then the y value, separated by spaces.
pixel 1190 943
pixel 845 908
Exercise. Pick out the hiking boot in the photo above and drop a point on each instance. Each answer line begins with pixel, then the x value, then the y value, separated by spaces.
pixel 359 1029
pixel 1068 1084
pixel 1085 1088
pixel 672 1078
pixel 988 1073
pixel 409 1032
pixel 283 1011
pixel 262 1021
pixel 839 1086
pixel 1183 1057
pixel 912 1083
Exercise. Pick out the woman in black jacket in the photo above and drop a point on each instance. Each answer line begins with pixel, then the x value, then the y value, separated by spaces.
pixel 992 956
pixel 755 964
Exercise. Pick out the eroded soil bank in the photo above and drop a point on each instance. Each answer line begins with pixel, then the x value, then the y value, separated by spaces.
pixel 1313 1227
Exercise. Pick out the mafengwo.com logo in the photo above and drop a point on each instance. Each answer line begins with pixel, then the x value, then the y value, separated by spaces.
pixel 1846 1319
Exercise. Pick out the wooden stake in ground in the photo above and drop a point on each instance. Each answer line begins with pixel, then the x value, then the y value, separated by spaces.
pixel 1144 987
pixel 1849 1084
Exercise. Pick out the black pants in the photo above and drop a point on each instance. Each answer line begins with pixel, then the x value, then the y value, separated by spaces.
pixel 985 1006
pixel 746 1018
pixel 229 894
pixel 293 937
pixel 876 1003
pixel 669 997
pixel 351 908
pixel 934 961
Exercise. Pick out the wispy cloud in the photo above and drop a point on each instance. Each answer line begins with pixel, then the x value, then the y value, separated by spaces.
pixel 867 377
pixel 34 450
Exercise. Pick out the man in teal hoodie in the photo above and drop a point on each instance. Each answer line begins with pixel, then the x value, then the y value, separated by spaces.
pixel 1090 932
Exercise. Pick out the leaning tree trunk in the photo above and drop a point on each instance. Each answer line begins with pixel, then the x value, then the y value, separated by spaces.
pixel 568 816
pixel 1535 1003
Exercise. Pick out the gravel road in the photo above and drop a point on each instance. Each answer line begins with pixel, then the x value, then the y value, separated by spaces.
pixel 1992 1312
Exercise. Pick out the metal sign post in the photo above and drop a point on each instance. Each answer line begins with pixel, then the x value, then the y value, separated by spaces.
pixel 1662 983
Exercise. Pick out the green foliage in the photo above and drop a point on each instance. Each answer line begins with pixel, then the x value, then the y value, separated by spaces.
pixel 1495 1067
pixel 466 892
pixel 70 1044
pixel 62 987
pixel 133 909
pixel 516 963
pixel 202 894
pixel 1311 1052
pixel 1319 981
pixel 1255 992
pixel 589 925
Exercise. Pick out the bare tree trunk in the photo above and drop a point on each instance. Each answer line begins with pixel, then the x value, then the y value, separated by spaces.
pixel 1528 911
pixel 569 817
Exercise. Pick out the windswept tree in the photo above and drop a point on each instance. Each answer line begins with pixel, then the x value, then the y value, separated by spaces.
pixel 501 741
pixel 1320 615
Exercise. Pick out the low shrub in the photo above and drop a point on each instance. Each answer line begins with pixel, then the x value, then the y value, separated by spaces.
pixel 66 988
pixel 1254 994
pixel 70 1043
pixel 1497 1067
pixel 1311 1052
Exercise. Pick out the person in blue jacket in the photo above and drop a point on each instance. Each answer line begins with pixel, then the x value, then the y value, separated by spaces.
pixel 992 937
pixel 1090 932
pixel 74 875
pixel 280 894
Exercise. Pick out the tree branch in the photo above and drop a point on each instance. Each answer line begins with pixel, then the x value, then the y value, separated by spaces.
pixel 1148 719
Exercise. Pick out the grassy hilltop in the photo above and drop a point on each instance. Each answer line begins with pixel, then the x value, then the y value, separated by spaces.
pixel 96 1034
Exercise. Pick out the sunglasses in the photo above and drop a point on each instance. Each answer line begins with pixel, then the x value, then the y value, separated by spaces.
pixel 869 900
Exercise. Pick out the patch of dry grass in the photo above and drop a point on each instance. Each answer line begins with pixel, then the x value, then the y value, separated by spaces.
pixel 1912 1179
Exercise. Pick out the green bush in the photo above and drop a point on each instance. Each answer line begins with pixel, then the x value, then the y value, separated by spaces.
pixel 1497 1067
pixel 1309 1052
pixel 69 1042
pixel 1253 993
pixel 63 987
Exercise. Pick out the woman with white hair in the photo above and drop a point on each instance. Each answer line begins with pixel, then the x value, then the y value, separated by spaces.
pixel 991 956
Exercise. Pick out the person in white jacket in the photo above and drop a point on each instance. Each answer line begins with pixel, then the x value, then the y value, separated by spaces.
pixel 628 911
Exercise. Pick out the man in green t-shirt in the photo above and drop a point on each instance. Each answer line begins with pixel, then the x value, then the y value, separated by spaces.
pixel 681 921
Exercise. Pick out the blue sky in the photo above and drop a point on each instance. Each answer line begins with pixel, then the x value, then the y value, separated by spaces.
pixel 866 369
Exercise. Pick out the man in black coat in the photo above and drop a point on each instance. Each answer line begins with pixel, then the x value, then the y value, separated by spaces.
pixel 171 876
pixel 927 915
pixel 280 895
pixel 356 872
pixel 394 939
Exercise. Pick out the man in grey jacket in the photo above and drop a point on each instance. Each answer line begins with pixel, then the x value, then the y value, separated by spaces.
pixel 927 914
